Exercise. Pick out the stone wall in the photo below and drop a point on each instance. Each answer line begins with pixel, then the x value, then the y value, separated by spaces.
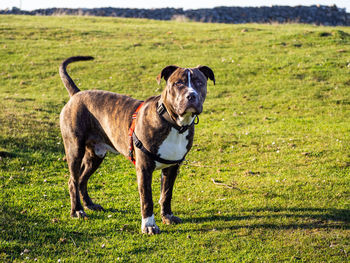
pixel 319 15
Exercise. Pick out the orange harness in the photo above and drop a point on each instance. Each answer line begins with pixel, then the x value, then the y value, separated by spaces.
pixel 131 132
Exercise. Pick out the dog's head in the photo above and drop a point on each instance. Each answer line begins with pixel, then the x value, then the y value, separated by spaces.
pixel 185 91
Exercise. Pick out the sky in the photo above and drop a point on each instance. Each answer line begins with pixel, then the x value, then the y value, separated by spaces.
pixel 186 4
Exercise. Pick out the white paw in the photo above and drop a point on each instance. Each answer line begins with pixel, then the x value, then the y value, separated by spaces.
pixel 149 226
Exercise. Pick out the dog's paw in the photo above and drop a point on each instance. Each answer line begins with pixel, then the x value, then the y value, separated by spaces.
pixel 171 219
pixel 95 207
pixel 79 214
pixel 151 230
pixel 149 226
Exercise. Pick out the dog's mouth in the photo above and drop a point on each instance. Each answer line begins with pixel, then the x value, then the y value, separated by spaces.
pixel 193 110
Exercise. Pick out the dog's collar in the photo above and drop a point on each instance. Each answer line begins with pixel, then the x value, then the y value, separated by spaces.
pixel 164 115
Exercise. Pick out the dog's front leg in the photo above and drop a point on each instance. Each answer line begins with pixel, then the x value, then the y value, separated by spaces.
pixel 144 181
pixel 167 183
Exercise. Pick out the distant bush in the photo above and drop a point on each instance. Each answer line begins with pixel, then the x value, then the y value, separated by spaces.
pixel 316 14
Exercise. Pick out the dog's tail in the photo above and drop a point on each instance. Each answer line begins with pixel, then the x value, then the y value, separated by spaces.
pixel 66 79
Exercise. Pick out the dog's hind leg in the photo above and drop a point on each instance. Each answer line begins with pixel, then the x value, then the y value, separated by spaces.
pixel 75 153
pixel 89 165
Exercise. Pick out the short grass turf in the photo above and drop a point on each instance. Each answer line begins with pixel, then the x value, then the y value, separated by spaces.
pixel 266 181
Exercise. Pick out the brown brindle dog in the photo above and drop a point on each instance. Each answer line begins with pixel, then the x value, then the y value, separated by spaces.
pixel 94 122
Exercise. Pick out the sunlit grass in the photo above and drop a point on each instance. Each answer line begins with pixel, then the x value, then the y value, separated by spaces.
pixel 274 132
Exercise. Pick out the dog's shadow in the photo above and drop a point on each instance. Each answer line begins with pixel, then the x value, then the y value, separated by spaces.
pixel 274 218
pixel 263 218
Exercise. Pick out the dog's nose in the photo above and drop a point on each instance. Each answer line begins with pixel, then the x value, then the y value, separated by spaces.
pixel 192 96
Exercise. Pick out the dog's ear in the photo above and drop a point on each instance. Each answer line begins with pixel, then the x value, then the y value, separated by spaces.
pixel 166 73
pixel 207 72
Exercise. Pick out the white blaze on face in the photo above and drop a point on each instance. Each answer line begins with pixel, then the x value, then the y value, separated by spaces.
pixel 190 88
pixel 187 118
pixel 189 79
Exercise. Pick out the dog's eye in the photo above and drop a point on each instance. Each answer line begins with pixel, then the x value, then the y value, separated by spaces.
pixel 179 83
pixel 198 82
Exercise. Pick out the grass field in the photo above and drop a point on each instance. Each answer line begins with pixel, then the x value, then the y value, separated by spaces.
pixel 275 132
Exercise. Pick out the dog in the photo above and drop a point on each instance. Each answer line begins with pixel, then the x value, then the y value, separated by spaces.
pixel 154 134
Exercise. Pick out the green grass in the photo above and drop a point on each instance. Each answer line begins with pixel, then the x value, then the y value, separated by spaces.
pixel 276 127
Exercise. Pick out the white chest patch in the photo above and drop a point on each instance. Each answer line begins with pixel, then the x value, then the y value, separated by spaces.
pixel 101 149
pixel 174 147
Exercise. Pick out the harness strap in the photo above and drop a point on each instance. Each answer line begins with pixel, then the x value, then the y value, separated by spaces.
pixel 155 157
pixel 133 140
